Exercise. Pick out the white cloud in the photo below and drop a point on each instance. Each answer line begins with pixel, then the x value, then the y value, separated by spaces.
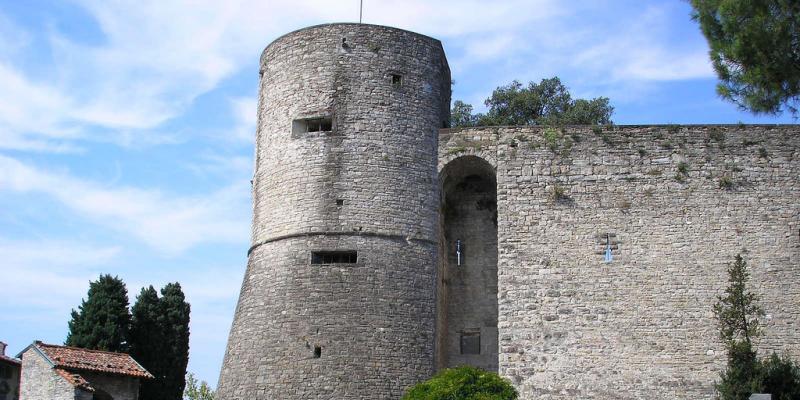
pixel 168 224
pixel 61 269
pixel 245 113
pixel 645 50
pixel 157 57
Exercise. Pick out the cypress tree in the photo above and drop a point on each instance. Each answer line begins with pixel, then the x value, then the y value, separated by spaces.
pixel 102 319
pixel 147 341
pixel 176 340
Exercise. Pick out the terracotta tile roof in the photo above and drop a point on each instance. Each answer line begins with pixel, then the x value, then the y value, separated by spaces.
pixel 10 360
pixel 73 358
pixel 75 379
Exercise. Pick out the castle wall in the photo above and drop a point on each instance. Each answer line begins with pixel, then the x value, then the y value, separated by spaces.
pixel 678 203
pixel 345 162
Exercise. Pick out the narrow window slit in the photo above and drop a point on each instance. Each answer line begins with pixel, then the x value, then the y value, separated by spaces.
pixel 322 124
pixel 334 257
pixel 317 351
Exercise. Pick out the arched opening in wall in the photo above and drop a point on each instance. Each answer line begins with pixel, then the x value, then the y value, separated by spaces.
pixel 466 312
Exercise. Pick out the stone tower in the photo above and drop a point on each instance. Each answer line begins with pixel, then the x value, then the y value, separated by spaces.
pixel 338 301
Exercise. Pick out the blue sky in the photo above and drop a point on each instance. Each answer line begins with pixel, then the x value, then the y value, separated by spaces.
pixel 126 127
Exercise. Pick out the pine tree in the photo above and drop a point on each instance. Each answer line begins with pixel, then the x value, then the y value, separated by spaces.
pixel 102 320
pixel 147 341
pixel 176 340
pixel 738 314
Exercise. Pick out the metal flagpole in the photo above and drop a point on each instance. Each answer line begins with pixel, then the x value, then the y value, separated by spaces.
pixel 360 10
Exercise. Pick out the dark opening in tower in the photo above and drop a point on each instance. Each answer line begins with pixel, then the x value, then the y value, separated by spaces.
pixel 467 287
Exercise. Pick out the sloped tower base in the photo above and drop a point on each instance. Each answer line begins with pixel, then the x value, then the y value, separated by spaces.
pixel 338 301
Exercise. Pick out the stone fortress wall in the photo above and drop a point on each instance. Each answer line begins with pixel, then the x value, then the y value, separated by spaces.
pixel 338 300
pixel 678 203
pixel 353 288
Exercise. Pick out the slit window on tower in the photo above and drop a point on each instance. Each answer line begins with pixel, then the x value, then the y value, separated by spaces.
pixel 334 257
pixel 323 124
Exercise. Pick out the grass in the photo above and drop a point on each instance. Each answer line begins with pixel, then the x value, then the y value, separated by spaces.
pixel 559 194
pixel 654 172
pixel 456 150
pixel 551 137
pixel 726 182
pixel 716 134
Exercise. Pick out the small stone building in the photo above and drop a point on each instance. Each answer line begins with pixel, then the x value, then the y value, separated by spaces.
pixel 68 373
pixel 9 375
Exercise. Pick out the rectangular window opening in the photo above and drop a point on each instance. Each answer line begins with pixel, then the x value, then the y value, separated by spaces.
pixel 317 351
pixel 334 257
pixel 470 343
pixel 397 80
pixel 322 124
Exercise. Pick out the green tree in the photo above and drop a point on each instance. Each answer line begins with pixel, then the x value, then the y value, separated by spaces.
pixel 102 320
pixel 738 313
pixel 780 378
pixel 461 115
pixel 463 383
pixel 147 341
pixel 160 340
pixel 545 103
pixel 195 391
pixel 755 50
pixel 176 339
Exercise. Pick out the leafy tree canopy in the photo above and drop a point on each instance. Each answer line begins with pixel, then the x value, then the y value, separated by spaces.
pixel 197 391
pixel 755 50
pixel 545 103
pixel 102 320
pixel 463 383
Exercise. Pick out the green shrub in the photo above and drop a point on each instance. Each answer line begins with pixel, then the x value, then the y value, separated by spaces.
pixel 780 377
pixel 463 383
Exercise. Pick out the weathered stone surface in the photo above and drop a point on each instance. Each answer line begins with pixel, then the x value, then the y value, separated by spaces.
pixel 40 381
pixel 342 331
pixel 675 204
pixel 572 326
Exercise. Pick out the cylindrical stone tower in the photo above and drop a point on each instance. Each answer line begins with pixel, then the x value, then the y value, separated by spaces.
pixel 338 301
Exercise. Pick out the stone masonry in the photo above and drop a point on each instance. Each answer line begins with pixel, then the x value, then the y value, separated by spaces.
pixel 352 289
pixel 678 202
pixel 41 381
pixel 346 159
